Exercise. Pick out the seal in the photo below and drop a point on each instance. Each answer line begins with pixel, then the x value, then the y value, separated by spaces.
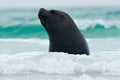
pixel 64 36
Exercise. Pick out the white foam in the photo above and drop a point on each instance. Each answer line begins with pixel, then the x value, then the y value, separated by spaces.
pixel 83 24
pixel 38 41
pixel 59 63
pixel 29 57
pixel 87 77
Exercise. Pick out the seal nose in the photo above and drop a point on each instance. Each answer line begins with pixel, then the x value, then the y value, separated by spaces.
pixel 42 12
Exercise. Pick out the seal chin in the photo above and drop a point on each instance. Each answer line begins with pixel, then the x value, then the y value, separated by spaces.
pixel 42 13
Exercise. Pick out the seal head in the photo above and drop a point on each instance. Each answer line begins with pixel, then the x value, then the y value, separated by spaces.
pixel 64 36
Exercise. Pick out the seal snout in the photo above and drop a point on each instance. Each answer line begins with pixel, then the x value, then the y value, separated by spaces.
pixel 42 13
pixel 42 10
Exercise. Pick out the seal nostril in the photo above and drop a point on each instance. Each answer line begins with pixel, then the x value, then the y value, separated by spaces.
pixel 42 13
pixel 42 10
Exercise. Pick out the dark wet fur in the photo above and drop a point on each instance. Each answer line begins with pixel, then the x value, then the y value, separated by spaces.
pixel 63 34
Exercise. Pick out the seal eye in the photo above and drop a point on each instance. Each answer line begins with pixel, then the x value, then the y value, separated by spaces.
pixel 63 15
pixel 52 11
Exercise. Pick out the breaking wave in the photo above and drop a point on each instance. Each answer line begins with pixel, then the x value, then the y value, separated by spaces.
pixel 89 28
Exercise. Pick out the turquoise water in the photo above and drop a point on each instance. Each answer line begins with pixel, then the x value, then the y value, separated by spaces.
pixel 92 22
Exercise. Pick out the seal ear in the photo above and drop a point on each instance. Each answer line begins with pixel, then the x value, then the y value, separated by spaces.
pixel 62 15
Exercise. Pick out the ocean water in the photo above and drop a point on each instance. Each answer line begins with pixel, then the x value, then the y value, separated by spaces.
pixel 24 46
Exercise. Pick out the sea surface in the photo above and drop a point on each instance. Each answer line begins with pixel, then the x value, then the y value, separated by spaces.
pixel 24 46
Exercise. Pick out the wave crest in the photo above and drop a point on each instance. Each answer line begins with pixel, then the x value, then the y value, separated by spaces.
pixel 89 28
